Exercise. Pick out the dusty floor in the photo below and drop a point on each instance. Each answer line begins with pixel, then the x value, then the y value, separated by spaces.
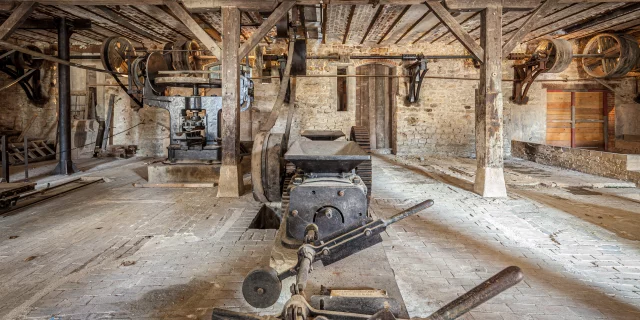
pixel 115 251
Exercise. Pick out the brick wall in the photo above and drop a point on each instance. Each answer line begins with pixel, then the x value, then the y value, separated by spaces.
pixel 606 164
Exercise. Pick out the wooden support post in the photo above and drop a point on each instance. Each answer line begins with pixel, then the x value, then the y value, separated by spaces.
pixel 17 17
pixel 489 125
pixel 231 184
pixel 181 13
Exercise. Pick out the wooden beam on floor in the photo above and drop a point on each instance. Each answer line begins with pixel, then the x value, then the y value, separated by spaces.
pixel 456 29
pixel 266 26
pixel 183 15
pixel 231 183
pixel 489 181
pixel 17 17
pixel 528 25
pixel 346 31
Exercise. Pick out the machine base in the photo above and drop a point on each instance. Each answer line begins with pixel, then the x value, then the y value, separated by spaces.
pixel 183 173
pixel 354 272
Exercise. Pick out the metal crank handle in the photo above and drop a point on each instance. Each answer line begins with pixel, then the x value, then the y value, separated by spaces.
pixel 485 291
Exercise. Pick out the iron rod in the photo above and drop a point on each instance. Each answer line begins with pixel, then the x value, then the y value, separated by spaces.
pixel 5 160
pixel 26 159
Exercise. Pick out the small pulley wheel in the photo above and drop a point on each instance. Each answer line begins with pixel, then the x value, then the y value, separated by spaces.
pixel 261 287
pixel 167 54
pixel 190 54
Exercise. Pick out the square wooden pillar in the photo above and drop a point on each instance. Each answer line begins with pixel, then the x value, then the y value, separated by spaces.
pixel 231 183
pixel 489 120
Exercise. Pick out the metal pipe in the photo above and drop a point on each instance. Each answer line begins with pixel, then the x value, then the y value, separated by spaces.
pixel 85 57
pixel 5 160
pixel 65 165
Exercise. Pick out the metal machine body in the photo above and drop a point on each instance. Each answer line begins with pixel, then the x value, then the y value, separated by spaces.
pixel 194 123
pixel 194 119
pixel 325 197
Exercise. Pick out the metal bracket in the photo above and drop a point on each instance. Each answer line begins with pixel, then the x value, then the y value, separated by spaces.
pixel 417 71
pixel 524 75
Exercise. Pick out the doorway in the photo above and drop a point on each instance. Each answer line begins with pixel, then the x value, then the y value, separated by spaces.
pixel 375 104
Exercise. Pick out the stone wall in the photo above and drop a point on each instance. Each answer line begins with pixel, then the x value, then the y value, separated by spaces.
pixel 441 122
pixel 606 164
pixel 17 110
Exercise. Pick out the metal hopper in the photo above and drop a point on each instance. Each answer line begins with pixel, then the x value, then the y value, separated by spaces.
pixel 326 156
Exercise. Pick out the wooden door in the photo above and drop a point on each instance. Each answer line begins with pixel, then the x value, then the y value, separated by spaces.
pixel 576 119
pixel 374 103
pixel 559 118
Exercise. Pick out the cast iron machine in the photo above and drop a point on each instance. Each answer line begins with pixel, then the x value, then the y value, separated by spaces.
pixel 195 118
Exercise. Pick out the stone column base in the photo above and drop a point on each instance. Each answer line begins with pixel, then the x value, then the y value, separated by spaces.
pixel 231 184
pixel 490 183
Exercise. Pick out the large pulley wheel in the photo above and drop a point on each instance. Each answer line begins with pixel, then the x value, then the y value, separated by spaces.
pixel 618 54
pixel 267 166
pixel 116 54
pixel 360 135
pixel 558 53
pixel 261 287
pixel 154 64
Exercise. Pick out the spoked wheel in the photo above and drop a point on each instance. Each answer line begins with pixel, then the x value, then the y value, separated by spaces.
pixel 360 135
pixel 116 53
pixel 558 53
pixel 617 54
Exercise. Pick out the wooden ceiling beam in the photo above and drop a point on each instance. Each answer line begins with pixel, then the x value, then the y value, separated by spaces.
pixel 346 31
pixel 17 17
pixel 456 29
pixel 461 23
pixel 325 14
pixel 482 4
pixel 208 27
pixel 183 15
pixel 534 18
pixel 415 23
pixel 264 29
pixel 121 20
pixel 394 23
pixel 166 18
pixel 373 22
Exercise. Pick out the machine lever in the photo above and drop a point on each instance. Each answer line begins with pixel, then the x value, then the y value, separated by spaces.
pixel 485 291
pixel 297 306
